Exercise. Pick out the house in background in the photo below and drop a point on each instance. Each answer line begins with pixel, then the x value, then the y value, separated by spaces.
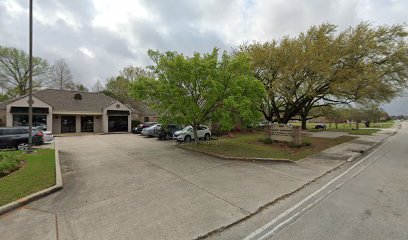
pixel 144 113
pixel 64 111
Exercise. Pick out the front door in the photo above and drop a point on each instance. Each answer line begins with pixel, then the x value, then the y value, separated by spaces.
pixel 68 124
pixel 87 124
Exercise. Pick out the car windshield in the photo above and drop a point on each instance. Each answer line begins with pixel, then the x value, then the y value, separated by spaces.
pixel 188 128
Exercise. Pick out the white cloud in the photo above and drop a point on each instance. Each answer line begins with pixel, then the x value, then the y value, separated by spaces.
pixel 86 52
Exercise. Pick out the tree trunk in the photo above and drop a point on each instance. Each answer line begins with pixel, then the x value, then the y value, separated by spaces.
pixel 195 127
pixel 337 125
pixel 357 125
pixel 367 124
pixel 304 123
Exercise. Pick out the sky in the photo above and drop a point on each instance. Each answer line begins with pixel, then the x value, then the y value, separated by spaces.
pixel 98 38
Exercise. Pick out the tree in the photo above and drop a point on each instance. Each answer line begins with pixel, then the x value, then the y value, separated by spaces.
pixel 60 76
pixel 97 87
pixel 3 97
pixel 373 63
pixel 132 73
pixel 334 115
pixel 80 87
pixel 119 87
pixel 295 72
pixel 202 88
pixel 319 68
pixel 14 71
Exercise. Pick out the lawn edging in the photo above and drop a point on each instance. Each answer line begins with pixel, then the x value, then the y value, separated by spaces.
pixel 282 160
pixel 45 192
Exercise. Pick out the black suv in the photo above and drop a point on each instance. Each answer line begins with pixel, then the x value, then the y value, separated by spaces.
pixel 17 137
pixel 167 132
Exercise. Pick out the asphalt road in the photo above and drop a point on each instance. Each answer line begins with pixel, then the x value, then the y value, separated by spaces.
pixel 368 202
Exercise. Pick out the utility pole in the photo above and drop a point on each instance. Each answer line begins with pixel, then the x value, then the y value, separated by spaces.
pixel 30 82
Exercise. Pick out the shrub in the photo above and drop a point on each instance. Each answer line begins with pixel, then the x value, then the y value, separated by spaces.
pixel 306 143
pixel 266 140
pixel 9 162
pixel 135 123
pixel 294 145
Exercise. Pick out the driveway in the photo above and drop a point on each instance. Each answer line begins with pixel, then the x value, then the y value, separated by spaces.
pixel 125 186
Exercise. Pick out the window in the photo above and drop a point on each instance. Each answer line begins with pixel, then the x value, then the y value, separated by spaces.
pixel 146 119
pixel 78 96
pixel 22 120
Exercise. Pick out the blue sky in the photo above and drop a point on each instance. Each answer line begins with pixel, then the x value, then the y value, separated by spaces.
pixel 99 37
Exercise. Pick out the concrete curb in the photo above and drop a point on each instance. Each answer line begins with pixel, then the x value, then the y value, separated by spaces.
pixel 45 192
pixel 280 160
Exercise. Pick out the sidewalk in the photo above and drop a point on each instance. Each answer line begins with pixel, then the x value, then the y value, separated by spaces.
pixel 163 193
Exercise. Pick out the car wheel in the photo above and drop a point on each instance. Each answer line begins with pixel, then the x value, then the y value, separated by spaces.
pixel 187 139
pixel 23 146
pixel 207 137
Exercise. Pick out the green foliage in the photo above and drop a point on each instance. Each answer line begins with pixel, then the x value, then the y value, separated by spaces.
pixel 9 162
pixel 3 97
pixel 266 140
pixel 307 143
pixel 321 67
pixel 202 88
pixel 14 70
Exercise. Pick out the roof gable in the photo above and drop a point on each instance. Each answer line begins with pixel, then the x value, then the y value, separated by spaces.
pixel 64 100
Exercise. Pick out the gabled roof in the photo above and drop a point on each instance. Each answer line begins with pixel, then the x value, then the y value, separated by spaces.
pixel 63 100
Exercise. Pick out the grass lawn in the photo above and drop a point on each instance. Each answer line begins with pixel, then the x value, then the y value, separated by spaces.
pixel 37 174
pixel 249 145
pixel 346 127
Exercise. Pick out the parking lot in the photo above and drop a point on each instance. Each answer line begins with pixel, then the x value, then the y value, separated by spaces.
pixel 126 186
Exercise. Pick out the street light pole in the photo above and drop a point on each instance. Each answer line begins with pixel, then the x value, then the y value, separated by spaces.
pixel 30 81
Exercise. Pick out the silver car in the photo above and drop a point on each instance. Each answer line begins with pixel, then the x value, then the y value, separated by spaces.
pixel 151 131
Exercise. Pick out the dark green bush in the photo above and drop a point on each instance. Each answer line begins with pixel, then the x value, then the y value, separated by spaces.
pixel 294 145
pixel 9 162
pixel 306 143
pixel 266 140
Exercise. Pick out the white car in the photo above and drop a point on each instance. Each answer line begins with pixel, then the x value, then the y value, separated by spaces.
pixel 48 137
pixel 187 134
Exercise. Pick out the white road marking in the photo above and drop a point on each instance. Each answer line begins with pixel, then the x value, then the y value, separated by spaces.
pixel 290 210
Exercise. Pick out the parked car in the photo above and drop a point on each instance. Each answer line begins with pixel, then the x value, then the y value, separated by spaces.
pixel 167 132
pixel 320 126
pixel 264 123
pixel 187 134
pixel 139 128
pixel 151 131
pixel 47 135
pixel 17 137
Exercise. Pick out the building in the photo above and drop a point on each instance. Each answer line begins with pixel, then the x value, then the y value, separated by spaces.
pixel 64 111
pixel 145 113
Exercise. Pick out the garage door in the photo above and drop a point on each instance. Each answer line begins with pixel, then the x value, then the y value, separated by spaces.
pixel 118 123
